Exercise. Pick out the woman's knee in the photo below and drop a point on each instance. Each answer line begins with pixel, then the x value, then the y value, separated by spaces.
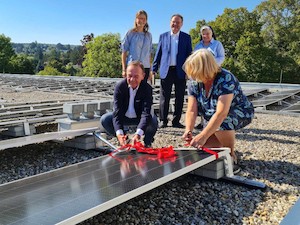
pixel 226 137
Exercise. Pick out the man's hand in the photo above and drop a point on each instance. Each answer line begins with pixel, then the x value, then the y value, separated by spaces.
pixel 136 138
pixel 122 139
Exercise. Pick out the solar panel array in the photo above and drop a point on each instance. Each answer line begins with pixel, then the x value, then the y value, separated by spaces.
pixel 72 194
pixel 102 88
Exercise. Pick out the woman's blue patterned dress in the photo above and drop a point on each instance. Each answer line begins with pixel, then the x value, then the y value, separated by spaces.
pixel 241 111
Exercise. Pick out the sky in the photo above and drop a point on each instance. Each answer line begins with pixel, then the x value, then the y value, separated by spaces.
pixel 67 21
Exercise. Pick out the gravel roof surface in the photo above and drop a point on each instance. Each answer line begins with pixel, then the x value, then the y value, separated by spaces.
pixel 269 149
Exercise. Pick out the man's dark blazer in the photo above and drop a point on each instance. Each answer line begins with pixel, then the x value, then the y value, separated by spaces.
pixel 142 104
pixel 163 54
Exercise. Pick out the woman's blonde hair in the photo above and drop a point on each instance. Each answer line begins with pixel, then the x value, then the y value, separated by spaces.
pixel 146 27
pixel 201 66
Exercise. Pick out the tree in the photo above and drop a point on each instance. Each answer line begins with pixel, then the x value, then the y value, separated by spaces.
pixel 6 52
pixel 52 54
pixel 254 61
pixel 248 41
pixel 231 25
pixel 49 70
pixel 281 31
pixel 83 50
pixel 76 55
pixel 70 69
pixel 60 47
pixel 57 65
pixel 21 64
pixel 103 56
pixel 39 59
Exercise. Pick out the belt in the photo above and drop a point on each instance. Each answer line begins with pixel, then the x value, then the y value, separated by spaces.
pixel 172 67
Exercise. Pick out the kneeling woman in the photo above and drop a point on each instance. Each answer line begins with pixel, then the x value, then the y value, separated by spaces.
pixel 216 94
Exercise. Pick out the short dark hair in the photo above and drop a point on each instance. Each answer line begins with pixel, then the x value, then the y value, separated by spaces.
pixel 181 17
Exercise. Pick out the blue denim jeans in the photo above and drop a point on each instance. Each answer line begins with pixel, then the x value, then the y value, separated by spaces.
pixel 106 121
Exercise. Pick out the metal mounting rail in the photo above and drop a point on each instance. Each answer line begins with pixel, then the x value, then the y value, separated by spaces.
pixel 32 120
pixel 37 138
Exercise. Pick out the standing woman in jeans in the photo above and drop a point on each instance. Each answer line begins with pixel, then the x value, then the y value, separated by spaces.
pixel 137 44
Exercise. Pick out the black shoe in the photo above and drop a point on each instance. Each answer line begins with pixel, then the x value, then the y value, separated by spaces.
pixel 163 125
pixel 178 125
pixel 235 166
pixel 199 126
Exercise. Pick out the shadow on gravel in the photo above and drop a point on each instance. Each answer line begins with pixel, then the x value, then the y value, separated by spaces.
pixel 275 171
pixel 258 134
pixel 279 132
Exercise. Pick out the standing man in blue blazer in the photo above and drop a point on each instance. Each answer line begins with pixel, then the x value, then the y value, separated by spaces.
pixel 173 48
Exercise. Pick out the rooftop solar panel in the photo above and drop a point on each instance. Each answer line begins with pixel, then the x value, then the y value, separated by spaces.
pixel 78 192
pixel 275 97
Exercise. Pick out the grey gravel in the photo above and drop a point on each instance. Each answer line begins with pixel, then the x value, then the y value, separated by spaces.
pixel 269 151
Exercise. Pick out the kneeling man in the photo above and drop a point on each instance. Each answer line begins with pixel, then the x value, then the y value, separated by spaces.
pixel 132 106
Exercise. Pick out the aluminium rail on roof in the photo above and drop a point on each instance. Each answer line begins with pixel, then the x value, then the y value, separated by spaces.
pixel 293 108
pixel 275 97
pixel 253 91
pixel 38 138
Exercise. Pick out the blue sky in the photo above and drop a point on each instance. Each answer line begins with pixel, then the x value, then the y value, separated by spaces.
pixel 67 21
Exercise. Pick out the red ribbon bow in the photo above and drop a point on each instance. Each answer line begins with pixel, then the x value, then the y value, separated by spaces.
pixel 161 153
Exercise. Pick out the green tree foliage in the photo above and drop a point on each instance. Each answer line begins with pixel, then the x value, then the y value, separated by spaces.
pixel 70 69
pixel 103 56
pixel 21 64
pixel 254 62
pixel 6 52
pixel 76 55
pixel 49 70
pixel 232 25
pixel 246 36
pixel 57 64
pixel 281 31
pixel 57 56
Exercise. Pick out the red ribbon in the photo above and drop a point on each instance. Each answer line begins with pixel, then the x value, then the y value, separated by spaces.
pixel 162 153
pixel 205 149
pixel 210 152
